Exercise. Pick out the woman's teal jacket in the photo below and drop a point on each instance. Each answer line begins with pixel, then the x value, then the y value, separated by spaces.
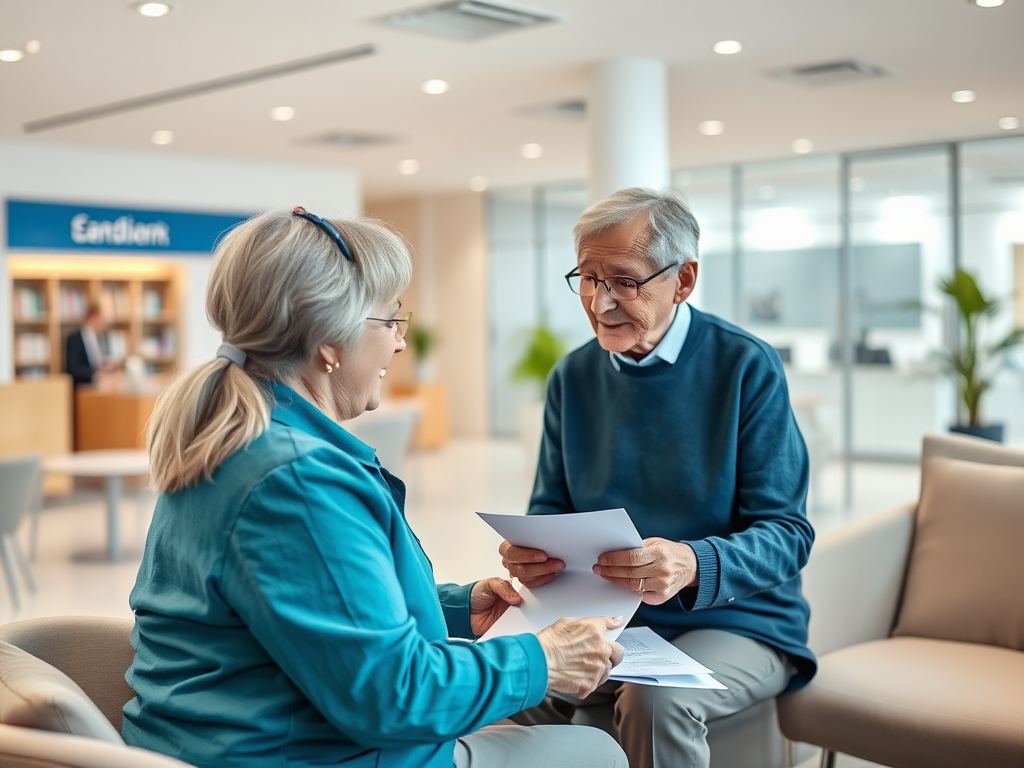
pixel 286 615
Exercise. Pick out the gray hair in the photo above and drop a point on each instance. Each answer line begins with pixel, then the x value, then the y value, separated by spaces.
pixel 279 289
pixel 673 232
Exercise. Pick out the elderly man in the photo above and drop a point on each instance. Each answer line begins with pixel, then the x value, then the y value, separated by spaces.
pixel 684 420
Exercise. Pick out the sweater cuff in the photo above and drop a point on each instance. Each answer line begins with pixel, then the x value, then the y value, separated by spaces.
pixel 707 568
pixel 454 599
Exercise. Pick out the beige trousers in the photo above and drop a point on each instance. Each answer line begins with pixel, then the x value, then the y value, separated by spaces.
pixel 667 727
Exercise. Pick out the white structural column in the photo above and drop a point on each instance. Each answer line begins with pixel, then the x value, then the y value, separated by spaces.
pixel 628 115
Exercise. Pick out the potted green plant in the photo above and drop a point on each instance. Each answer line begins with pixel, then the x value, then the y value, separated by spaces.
pixel 423 339
pixel 973 364
pixel 544 348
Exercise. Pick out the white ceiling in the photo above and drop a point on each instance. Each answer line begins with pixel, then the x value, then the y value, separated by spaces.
pixel 100 51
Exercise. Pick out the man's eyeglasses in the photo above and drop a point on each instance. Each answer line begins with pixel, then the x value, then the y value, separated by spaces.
pixel 330 229
pixel 619 287
pixel 399 323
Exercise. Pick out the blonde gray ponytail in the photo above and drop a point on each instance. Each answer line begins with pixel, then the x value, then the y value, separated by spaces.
pixel 279 289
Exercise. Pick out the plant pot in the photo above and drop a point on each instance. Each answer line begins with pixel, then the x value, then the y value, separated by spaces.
pixel 988 432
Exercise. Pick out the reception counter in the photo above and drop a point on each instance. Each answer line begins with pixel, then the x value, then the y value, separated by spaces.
pixel 35 415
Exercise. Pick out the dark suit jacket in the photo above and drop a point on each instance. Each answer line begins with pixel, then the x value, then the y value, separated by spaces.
pixel 76 359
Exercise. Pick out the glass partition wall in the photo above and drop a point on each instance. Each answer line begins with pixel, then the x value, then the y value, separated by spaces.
pixel 834 260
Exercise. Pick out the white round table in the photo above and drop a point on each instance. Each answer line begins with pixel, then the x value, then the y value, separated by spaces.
pixel 111 465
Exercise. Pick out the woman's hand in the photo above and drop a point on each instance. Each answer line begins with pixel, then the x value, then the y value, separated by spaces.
pixel 658 571
pixel 488 600
pixel 532 567
pixel 579 654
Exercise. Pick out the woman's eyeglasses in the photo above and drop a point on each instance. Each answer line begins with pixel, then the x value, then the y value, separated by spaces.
pixel 399 323
pixel 330 229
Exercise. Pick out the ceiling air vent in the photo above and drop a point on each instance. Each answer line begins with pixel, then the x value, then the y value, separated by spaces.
pixel 352 140
pixel 570 109
pixel 467 19
pixel 830 72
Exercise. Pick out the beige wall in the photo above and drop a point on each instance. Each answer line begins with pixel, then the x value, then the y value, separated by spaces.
pixel 447 235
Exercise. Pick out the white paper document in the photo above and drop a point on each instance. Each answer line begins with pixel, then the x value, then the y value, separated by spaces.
pixel 577 540
pixel 648 659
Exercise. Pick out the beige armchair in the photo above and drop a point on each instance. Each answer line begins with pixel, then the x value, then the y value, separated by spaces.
pixel 918 621
pixel 61 691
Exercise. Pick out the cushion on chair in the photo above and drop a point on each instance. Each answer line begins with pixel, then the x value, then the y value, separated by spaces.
pixel 914 703
pixel 966 575
pixel 35 695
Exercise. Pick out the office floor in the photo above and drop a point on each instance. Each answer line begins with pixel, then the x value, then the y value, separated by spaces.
pixel 445 488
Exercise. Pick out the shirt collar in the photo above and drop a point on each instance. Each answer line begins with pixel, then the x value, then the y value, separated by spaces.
pixel 293 410
pixel 668 349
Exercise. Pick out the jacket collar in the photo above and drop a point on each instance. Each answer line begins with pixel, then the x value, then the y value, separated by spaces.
pixel 293 410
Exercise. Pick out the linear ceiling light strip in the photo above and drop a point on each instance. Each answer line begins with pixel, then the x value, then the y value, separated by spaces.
pixel 196 89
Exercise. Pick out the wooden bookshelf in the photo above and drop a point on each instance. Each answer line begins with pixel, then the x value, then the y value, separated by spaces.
pixel 140 300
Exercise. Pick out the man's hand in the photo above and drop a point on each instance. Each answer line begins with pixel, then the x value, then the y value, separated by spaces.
pixel 489 599
pixel 532 567
pixel 658 571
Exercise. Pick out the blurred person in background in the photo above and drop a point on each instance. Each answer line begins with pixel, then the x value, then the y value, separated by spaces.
pixel 285 613
pixel 83 350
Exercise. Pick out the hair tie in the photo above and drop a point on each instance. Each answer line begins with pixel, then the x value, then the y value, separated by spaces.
pixel 232 353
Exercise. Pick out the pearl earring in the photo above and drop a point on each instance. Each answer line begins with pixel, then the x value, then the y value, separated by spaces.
pixel 330 368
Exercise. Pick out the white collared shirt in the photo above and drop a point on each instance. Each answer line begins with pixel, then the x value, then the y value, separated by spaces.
pixel 668 348
pixel 93 348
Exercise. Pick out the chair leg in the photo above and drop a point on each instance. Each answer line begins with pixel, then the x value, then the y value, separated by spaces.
pixel 23 563
pixel 37 511
pixel 828 758
pixel 12 585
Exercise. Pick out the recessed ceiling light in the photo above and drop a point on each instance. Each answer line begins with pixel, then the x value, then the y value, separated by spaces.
pixel 964 97
pixel 1009 123
pixel 408 167
pixel 434 87
pixel 531 151
pixel 162 137
pixel 33 46
pixel 153 10
pixel 11 55
pixel 727 47
pixel 803 146
pixel 282 114
pixel 711 127
pixel 987 3
pixel 478 183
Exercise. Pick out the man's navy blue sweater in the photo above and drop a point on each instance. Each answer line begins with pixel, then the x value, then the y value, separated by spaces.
pixel 704 451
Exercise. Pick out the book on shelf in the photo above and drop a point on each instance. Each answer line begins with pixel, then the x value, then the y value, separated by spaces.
pixel 152 304
pixel 114 302
pixel 115 342
pixel 72 304
pixel 33 348
pixel 29 304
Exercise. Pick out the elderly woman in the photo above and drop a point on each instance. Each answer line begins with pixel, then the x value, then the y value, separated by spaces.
pixel 285 612
pixel 684 420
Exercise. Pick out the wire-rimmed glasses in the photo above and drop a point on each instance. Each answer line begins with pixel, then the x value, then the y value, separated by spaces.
pixel 399 322
pixel 619 287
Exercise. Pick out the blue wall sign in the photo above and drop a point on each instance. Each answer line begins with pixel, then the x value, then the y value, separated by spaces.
pixel 58 226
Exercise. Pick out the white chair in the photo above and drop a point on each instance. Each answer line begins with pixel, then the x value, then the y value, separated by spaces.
pixel 389 433
pixel 19 486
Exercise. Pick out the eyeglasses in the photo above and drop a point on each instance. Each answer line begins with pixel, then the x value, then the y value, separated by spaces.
pixel 330 229
pixel 399 323
pixel 619 287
